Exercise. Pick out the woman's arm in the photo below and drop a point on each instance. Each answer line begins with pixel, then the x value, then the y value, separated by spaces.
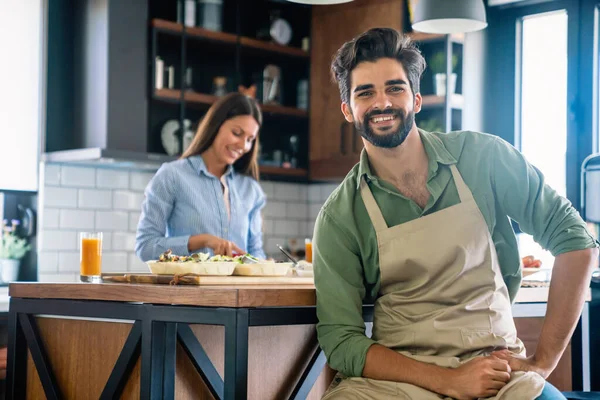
pixel 158 204
pixel 255 233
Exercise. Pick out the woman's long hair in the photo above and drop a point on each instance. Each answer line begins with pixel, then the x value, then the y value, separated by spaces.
pixel 227 107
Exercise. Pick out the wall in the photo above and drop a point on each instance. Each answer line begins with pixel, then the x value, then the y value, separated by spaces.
pixel 77 198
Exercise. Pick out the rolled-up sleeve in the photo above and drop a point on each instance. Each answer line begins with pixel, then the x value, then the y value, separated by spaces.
pixel 538 209
pixel 340 294
pixel 158 203
pixel 255 233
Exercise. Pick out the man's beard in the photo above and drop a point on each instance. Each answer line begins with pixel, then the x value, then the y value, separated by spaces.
pixel 393 138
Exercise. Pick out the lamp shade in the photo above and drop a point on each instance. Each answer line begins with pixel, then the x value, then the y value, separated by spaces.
pixel 449 16
pixel 320 2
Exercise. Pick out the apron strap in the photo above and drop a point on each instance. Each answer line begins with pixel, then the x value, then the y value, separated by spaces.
pixel 463 190
pixel 372 207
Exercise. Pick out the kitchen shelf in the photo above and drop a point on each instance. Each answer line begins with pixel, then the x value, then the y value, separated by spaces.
pixel 174 95
pixel 269 170
pixel 228 38
pixel 456 101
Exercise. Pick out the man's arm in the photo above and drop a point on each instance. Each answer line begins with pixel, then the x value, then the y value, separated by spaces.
pixel 556 226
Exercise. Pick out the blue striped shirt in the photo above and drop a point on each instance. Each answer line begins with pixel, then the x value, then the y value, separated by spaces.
pixel 184 199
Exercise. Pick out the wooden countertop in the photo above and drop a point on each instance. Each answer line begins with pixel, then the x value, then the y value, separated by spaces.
pixel 211 296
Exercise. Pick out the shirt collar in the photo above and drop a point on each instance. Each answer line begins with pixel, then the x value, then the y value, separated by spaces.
pixel 200 167
pixel 434 147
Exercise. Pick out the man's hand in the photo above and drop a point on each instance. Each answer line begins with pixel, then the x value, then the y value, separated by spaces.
pixel 519 363
pixel 480 377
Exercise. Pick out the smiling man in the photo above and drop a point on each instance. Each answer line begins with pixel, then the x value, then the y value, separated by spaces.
pixel 421 228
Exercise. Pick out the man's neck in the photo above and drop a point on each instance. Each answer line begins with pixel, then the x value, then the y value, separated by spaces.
pixel 394 164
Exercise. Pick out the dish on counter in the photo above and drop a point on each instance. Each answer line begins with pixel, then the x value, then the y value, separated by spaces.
pixel 203 264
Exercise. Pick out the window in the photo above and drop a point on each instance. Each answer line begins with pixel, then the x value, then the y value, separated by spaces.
pixel 543 88
pixel 21 43
pixel 543 106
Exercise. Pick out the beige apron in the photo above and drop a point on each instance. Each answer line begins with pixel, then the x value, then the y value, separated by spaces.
pixel 442 298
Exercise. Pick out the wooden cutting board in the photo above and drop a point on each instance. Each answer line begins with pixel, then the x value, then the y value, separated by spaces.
pixel 206 280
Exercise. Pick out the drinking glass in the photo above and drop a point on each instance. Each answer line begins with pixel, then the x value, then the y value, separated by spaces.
pixel 90 256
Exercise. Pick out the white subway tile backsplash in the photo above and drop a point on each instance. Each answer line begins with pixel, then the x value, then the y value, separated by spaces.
pixel 68 261
pixel 52 174
pixel 139 180
pixel 123 241
pixel 268 226
pixel 76 219
pixel 286 227
pixel 289 191
pixel 135 264
pixel 275 209
pixel 297 211
pixel 52 239
pixel 124 200
pixel 50 218
pixel 269 189
pixel 314 193
pixel 112 179
pixel 134 218
pixel 47 261
pixel 95 199
pixel 313 211
pixel 106 241
pixel 59 197
pixel 77 176
pixel 271 245
pixel 112 220
pixel 114 261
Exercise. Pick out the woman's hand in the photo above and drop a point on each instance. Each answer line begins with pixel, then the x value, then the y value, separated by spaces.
pixel 223 247
pixel 218 245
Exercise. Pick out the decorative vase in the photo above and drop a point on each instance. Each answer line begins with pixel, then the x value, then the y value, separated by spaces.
pixel 440 84
pixel 9 270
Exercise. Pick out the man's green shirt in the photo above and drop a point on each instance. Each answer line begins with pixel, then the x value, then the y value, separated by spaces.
pixel 505 186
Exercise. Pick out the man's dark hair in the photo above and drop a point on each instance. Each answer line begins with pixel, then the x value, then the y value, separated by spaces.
pixel 372 45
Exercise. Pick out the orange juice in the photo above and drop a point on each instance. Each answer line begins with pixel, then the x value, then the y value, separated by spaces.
pixel 308 250
pixel 91 256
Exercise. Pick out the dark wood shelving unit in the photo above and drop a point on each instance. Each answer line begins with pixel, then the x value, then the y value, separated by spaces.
pixel 174 95
pixel 228 38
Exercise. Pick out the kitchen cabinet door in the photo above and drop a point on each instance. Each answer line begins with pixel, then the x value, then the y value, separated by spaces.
pixel 335 145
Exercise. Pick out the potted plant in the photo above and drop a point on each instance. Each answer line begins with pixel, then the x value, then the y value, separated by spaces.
pixel 438 67
pixel 12 250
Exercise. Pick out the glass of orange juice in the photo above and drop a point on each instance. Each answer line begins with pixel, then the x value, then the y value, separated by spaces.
pixel 308 250
pixel 90 256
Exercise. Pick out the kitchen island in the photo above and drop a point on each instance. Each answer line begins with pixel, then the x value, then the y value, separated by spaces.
pixel 77 341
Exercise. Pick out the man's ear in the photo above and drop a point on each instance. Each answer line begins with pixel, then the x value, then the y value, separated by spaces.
pixel 347 112
pixel 418 102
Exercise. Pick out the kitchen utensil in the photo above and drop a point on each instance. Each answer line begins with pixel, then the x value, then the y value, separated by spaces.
pixel 288 255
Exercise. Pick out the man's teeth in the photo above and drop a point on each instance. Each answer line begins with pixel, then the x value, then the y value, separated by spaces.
pixel 380 119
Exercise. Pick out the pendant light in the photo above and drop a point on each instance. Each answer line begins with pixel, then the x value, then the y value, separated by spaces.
pixel 320 2
pixel 449 16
